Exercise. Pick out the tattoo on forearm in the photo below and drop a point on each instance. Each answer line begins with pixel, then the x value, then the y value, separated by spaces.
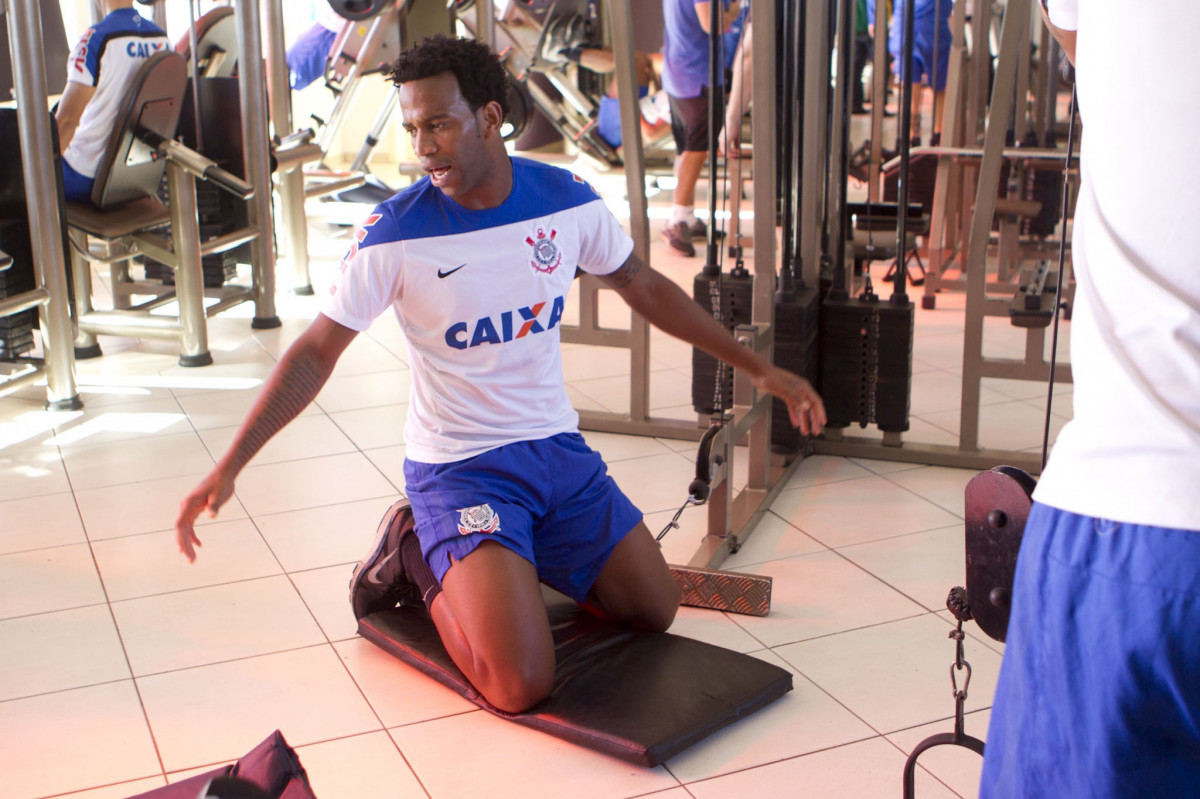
pixel 624 274
pixel 292 387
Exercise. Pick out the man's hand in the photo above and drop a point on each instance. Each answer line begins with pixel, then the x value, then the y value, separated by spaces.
pixel 804 404
pixel 210 495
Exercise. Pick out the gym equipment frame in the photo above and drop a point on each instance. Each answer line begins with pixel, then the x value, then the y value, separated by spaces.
pixel 51 294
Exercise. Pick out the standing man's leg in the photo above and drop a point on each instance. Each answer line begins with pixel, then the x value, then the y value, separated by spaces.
pixel 689 125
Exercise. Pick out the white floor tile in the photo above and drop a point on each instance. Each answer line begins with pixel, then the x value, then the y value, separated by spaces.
pixel 33 473
pixel 390 463
pixel 375 389
pixel 317 537
pixel 39 522
pixel 398 693
pixel 144 507
pixel 922 566
pixel 326 594
pixel 72 740
pixel 305 437
pixel 771 539
pixel 657 482
pixel 210 625
pixel 944 487
pixel 372 428
pixel 894 675
pixel 217 713
pixel 366 356
pixel 1012 425
pixel 615 447
pixel 819 469
pixel 854 511
pixel 501 769
pixel 956 766
pixel 216 409
pixel 114 423
pixel 359 766
pixel 872 768
pixel 153 458
pixel 149 564
pixel 713 627
pixel 817 595
pixel 311 483
pixel 122 790
pixel 58 651
pixel 46 580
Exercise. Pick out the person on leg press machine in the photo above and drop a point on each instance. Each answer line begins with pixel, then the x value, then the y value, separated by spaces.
pixel 476 260
pixel 98 71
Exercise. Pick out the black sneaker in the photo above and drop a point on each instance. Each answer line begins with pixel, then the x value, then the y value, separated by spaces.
pixel 699 230
pixel 679 236
pixel 379 581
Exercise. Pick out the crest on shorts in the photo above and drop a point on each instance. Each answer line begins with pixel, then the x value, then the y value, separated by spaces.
pixel 479 519
pixel 546 254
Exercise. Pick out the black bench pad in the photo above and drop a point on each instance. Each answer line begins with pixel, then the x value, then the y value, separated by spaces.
pixel 641 697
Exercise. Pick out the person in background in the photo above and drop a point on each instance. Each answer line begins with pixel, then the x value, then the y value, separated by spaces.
pixel 99 70
pixel 685 77
pixel 308 54
pixel 608 115
pixel 931 54
pixel 1099 690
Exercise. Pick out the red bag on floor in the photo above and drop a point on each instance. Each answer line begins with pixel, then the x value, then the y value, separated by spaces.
pixel 272 766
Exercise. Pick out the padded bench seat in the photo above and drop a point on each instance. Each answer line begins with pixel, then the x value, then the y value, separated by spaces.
pixel 641 697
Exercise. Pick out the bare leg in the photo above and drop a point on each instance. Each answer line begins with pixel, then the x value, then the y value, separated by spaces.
pixel 492 619
pixel 636 587
pixel 687 171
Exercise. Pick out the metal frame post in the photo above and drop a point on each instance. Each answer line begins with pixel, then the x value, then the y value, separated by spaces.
pixel 290 180
pixel 41 192
pixel 257 157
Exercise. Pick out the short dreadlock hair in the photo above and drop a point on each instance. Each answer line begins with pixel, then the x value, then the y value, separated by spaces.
pixel 481 76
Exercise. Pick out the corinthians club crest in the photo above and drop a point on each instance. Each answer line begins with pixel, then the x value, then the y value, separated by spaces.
pixel 479 519
pixel 546 254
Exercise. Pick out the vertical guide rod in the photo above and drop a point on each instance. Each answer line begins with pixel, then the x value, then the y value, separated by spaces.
pixel 255 153
pixel 635 187
pixel 1016 16
pixel 41 192
pixel 291 181
pixel 899 296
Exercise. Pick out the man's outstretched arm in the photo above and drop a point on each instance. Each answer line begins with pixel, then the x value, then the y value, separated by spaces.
pixel 662 303
pixel 291 386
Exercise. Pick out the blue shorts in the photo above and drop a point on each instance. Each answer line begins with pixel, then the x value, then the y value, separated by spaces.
pixel 551 501
pixel 924 57
pixel 76 187
pixel 1099 691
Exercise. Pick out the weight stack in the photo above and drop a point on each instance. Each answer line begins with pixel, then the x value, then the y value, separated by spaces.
pixel 16 330
pixel 216 219
pixel 866 362
pixel 730 299
pixel 1045 186
pixel 796 329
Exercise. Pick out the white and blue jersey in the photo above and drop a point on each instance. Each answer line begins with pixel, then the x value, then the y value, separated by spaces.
pixel 106 57
pixel 480 295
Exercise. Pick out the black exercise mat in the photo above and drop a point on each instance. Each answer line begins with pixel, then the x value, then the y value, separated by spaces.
pixel 641 697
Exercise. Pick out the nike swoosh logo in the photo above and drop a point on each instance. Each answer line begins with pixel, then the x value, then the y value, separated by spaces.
pixel 450 272
pixel 374 572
